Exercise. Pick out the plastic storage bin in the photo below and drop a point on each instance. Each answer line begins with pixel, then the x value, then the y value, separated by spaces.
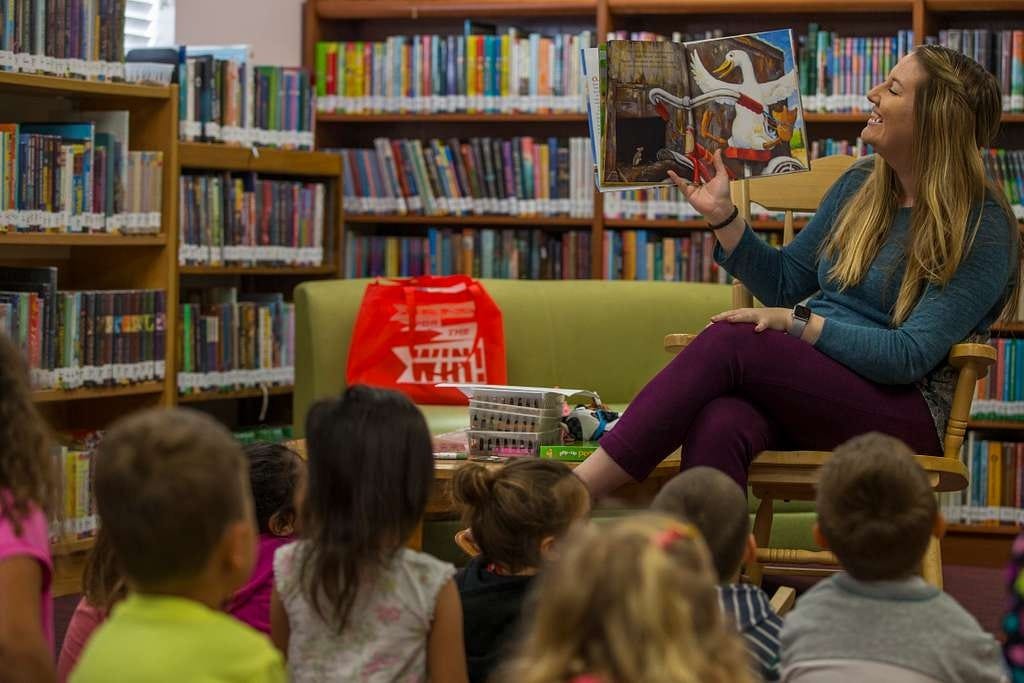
pixel 499 418
pixel 484 443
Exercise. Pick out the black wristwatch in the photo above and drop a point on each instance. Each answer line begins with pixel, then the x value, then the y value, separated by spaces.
pixel 801 316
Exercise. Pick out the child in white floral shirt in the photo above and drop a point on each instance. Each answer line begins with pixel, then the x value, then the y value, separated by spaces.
pixel 350 602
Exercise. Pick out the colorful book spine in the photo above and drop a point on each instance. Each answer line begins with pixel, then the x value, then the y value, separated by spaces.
pixel 75 339
pixel 486 252
pixel 226 98
pixel 830 146
pixel 999 395
pixel 996 492
pixel 649 255
pixel 245 219
pixel 76 38
pixel 455 73
pixel 231 341
pixel 548 177
pixel 999 51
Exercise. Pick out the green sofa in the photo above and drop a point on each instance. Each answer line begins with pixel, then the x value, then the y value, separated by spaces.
pixel 588 334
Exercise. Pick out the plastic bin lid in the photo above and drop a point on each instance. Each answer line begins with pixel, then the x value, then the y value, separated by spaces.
pixel 470 389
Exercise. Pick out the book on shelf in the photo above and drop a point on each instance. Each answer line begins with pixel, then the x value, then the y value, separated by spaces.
pixel 74 462
pixel 231 340
pixel 79 38
pixel 78 177
pixel 648 255
pixel 999 396
pixel 1000 51
pixel 1006 168
pixel 75 339
pixel 996 491
pixel 837 72
pixel 480 71
pixel 225 97
pixel 246 219
pixel 489 253
pixel 826 147
pixel 520 176
pixel 266 433
pixel 659 106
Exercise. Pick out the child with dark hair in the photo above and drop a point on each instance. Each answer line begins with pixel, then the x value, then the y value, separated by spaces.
pixel 26 493
pixel 716 505
pixel 102 587
pixel 274 474
pixel 172 491
pixel 351 602
pixel 879 620
pixel 516 514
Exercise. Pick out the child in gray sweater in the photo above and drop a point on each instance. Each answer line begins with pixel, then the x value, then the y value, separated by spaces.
pixel 879 620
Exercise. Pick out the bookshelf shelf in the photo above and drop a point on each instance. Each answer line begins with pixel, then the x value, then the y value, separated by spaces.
pixel 57 395
pixel 255 392
pixel 1009 328
pixel 70 239
pixel 207 156
pixel 756 6
pixel 257 270
pixel 1008 425
pixel 561 117
pixel 80 545
pixel 673 224
pixel 976 6
pixel 36 84
pixel 524 221
pixel 980 529
pixel 457 9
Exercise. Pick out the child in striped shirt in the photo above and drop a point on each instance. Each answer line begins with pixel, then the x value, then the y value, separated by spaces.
pixel 715 504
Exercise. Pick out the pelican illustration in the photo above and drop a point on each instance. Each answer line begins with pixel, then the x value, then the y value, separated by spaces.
pixel 748 129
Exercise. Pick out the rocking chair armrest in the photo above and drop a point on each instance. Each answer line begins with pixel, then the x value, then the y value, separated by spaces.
pixel 674 343
pixel 976 356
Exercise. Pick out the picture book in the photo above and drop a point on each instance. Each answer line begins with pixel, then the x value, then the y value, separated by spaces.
pixel 658 106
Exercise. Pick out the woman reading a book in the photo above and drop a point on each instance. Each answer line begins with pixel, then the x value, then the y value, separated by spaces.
pixel 908 254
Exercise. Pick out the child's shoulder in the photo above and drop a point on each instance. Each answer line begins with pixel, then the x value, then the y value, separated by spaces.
pixel 422 562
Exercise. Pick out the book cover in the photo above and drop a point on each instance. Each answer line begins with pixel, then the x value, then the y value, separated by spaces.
pixel 666 106
pixel 568 453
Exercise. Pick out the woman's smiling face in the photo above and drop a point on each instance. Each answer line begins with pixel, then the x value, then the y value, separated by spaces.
pixel 890 129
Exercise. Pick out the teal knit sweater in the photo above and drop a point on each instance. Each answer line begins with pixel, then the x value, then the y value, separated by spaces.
pixel 857 330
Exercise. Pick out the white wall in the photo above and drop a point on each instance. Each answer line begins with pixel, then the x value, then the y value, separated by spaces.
pixel 272 27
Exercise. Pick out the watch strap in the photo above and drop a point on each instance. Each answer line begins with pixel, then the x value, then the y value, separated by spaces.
pixel 798 324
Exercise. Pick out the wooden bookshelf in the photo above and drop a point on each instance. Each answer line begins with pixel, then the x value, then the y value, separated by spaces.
pixel 71 239
pixel 1007 425
pixel 254 392
pixel 558 117
pixel 626 7
pixel 456 9
pixel 291 271
pixel 520 221
pixel 35 84
pixel 674 224
pixel 53 395
pixel 1008 328
pixel 214 157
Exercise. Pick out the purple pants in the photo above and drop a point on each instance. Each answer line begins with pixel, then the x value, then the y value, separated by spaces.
pixel 733 393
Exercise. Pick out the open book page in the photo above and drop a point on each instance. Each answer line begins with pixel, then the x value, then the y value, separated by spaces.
pixel 745 100
pixel 643 138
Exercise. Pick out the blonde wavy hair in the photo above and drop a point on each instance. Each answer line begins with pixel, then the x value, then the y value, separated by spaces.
pixel 633 602
pixel 956 112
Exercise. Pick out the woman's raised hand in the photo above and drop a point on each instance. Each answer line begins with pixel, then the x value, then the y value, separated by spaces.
pixel 712 198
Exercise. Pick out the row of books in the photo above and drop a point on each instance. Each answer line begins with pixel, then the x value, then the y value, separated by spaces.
pixel 837 72
pixel 996 491
pixel 231 340
pixel 511 72
pixel 74 462
pixel 75 339
pixel 830 146
pixel 648 255
pixel 265 433
pixel 1006 168
pixel 513 254
pixel 226 98
pixel 1000 51
pixel 243 218
pixel 1000 394
pixel 521 176
pixel 82 38
pixel 78 177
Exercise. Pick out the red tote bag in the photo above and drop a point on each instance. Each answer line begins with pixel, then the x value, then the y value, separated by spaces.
pixel 414 333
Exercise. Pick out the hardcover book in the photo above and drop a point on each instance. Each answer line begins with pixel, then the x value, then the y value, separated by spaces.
pixel 657 106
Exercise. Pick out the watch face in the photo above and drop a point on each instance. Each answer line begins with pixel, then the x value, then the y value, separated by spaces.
pixel 802 312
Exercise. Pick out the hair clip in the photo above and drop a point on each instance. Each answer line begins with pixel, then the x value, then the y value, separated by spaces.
pixel 663 539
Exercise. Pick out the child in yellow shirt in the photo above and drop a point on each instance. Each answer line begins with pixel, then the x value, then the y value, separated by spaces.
pixel 172 490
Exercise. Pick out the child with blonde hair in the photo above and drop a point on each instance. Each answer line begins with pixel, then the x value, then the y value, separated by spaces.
pixel 517 515
pixel 351 602
pixel 634 601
